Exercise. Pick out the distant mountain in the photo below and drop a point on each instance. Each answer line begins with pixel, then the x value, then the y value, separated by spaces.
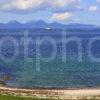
pixel 36 24
pixel 41 24
pixel 81 26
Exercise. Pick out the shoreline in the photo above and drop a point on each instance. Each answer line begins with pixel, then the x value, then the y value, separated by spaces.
pixel 54 93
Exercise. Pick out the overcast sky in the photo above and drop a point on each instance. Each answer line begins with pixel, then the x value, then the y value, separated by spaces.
pixel 63 11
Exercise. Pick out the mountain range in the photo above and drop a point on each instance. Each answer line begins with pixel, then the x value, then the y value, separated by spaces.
pixel 42 24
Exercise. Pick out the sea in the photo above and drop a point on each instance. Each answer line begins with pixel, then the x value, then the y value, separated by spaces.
pixel 50 58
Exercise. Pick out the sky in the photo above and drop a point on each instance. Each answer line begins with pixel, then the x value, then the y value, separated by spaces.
pixel 62 11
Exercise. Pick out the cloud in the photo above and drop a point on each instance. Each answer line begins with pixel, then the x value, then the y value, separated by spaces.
pixel 93 8
pixel 61 16
pixel 36 5
pixel 98 0
pixel 65 5
pixel 21 5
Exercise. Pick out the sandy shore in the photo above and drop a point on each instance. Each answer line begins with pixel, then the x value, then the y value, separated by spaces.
pixel 44 93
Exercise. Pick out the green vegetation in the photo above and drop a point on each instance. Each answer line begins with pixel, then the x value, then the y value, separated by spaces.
pixel 3 97
pixel 6 97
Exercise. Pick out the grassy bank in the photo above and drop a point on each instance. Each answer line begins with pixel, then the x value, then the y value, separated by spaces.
pixel 3 97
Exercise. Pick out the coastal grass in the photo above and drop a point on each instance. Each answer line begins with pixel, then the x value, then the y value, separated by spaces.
pixel 9 97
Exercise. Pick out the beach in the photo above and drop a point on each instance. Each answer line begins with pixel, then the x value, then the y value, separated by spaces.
pixel 74 94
